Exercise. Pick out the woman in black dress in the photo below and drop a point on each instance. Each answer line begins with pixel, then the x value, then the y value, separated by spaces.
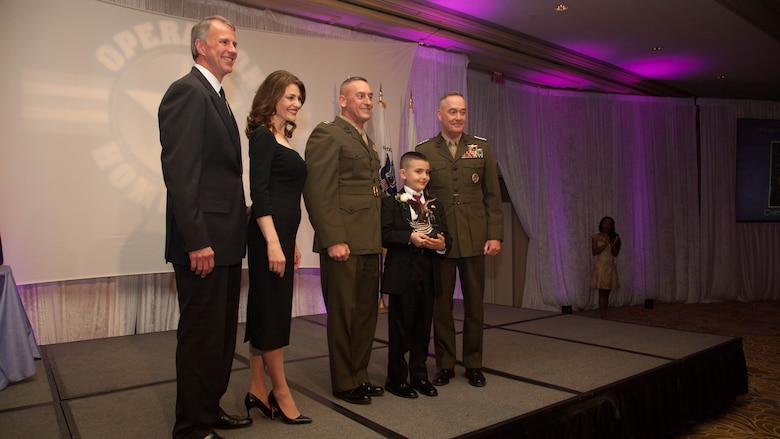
pixel 276 176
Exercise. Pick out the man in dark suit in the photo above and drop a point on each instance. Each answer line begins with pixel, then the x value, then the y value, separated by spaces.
pixel 465 178
pixel 206 223
pixel 414 233
pixel 343 200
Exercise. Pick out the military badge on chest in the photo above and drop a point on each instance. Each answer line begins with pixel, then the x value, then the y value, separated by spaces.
pixel 473 152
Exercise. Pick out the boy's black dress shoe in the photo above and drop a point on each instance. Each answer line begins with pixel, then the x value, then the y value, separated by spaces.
pixel 475 377
pixel 371 390
pixel 403 390
pixel 228 422
pixel 354 396
pixel 443 376
pixel 425 387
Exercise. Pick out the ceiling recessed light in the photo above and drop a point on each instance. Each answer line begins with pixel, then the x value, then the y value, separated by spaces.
pixel 657 48
pixel 720 77
pixel 561 7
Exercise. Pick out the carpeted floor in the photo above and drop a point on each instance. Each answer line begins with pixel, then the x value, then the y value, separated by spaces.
pixel 755 414
pixel 555 375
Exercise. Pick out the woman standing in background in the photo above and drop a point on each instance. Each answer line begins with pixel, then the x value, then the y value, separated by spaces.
pixel 605 245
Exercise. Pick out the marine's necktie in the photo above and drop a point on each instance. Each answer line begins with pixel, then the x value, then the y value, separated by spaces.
pixel 453 148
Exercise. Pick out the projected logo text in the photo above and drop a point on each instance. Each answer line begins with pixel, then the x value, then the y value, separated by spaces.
pixel 143 62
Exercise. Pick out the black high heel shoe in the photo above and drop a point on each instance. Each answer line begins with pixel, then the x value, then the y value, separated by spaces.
pixel 252 401
pixel 275 405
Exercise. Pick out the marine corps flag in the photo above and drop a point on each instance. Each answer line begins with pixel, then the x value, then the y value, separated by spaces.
pixel 386 166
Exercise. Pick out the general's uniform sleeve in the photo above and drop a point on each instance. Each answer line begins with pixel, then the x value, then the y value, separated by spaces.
pixel 491 193
pixel 321 190
pixel 182 119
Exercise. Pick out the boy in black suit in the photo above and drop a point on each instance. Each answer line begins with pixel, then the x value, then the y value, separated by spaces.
pixel 415 236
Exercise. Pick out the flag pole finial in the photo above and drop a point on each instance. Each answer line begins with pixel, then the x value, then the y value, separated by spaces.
pixel 381 95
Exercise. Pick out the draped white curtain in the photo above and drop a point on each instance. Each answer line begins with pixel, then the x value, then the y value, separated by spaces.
pixel 570 158
pixel 740 261
pixel 434 72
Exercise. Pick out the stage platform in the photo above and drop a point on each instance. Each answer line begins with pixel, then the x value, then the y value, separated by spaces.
pixel 549 375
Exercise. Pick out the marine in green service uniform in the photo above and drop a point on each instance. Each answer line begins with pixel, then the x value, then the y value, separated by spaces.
pixel 342 197
pixel 464 178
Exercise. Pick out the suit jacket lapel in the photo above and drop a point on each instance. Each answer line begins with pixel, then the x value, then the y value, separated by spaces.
pixel 222 110
pixel 406 213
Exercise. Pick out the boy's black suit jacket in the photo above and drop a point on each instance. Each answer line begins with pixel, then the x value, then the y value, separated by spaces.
pixel 396 231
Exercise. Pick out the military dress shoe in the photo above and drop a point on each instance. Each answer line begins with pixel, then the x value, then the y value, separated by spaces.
pixel 475 377
pixel 354 396
pixel 425 387
pixel 403 390
pixel 371 390
pixel 228 422
pixel 443 376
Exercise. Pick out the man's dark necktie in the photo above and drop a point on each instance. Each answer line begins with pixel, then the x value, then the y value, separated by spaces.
pixel 222 93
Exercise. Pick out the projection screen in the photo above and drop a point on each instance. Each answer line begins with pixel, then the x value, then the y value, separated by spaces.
pixel 81 191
